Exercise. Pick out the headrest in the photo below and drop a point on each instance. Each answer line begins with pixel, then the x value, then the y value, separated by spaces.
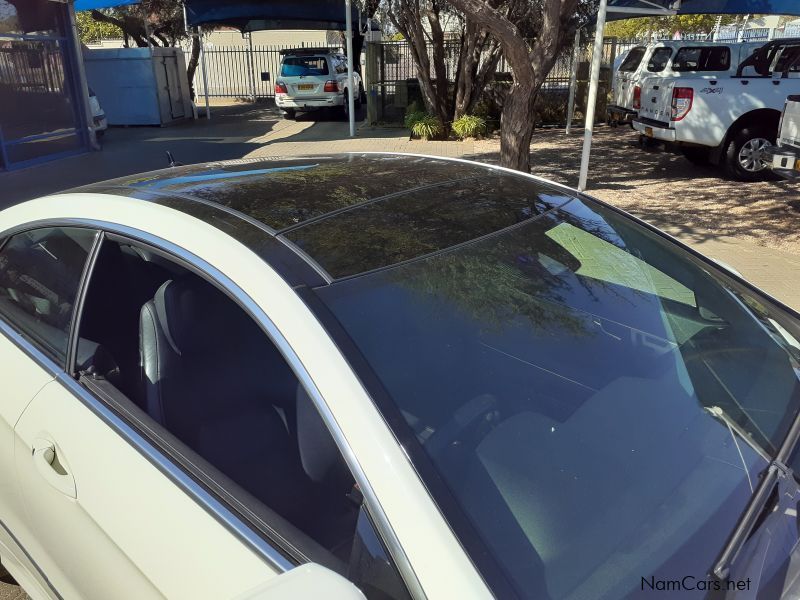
pixel 318 452
pixel 195 315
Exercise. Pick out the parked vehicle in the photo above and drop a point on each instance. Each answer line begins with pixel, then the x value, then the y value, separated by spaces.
pixel 434 378
pixel 784 157
pixel 670 59
pixel 724 121
pixel 99 120
pixel 314 78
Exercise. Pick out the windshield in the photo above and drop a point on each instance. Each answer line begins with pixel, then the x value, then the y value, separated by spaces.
pixel 570 389
pixel 296 66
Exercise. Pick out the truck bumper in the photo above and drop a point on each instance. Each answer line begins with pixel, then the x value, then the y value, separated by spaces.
pixel 783 161
pixel 652 130
pixel 620 114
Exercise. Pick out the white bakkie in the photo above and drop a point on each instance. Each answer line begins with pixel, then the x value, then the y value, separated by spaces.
pixel 671 59
pixel 725 121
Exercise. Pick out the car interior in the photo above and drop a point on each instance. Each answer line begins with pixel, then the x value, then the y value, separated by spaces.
pixel 190 358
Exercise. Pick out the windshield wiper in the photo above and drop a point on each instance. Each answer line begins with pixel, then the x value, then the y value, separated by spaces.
pixel 776 471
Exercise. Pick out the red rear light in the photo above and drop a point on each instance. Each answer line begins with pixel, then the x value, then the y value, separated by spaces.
pixel 280 88
pixel 637 97
pixel 331 86
pixel 682 99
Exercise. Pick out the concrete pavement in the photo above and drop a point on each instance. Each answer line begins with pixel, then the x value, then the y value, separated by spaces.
pixel 251 131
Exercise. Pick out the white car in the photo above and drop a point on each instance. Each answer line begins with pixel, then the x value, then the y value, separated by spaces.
pixel 381 375
pixel 99 119
pixel 314 78
pixel 670 59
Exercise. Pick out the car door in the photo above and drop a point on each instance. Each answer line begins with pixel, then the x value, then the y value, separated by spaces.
pixel 104 515
pixel 39 275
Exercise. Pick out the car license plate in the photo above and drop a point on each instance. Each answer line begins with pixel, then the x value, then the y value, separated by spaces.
pixel 648 131
pixel 305 86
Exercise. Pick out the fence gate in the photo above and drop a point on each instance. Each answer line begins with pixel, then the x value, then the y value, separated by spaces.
pixel 391 79
pixel 240 71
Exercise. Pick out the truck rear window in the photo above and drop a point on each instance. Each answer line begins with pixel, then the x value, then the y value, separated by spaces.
pixel 295 66
pixel 659 59
pixel 632 61
pixel 702 59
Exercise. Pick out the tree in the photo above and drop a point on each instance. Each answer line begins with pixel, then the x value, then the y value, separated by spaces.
pixel 419 21
pixel 638 28
pixel 164 27
pixel 531 33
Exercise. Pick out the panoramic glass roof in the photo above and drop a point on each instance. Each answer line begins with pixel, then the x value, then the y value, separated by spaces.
pixel 357 213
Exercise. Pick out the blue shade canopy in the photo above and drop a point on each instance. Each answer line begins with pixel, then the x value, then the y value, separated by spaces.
pixel 704 7
pixel 254 15
pixel 92 4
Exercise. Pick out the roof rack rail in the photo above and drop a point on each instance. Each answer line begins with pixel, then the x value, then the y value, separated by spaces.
pixel 318 50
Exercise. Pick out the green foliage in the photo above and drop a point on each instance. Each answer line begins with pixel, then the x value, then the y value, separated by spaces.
pixel 90 30
pixel 469 126
pixel 426 126
pixel 413 114
pixel 637 28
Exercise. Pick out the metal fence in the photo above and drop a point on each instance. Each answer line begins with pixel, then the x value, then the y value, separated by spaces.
pixel 240 71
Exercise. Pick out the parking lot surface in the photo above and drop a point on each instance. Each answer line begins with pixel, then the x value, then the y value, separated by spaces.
pixel 754 227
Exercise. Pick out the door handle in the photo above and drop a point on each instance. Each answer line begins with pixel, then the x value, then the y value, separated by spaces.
pixel 51 466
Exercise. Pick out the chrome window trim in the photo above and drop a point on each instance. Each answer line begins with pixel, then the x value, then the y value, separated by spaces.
pixel 177 475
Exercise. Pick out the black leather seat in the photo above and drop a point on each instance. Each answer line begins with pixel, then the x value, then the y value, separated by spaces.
pixel 214 379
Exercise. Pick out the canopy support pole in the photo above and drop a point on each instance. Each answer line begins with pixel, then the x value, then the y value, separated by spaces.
pixel 351 96
pixel 250 67
pixel 573 80
pixel 205 71
pixel 591 102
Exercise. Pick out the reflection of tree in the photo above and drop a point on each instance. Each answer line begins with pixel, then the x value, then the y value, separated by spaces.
pixel 498 282
pixel 285 198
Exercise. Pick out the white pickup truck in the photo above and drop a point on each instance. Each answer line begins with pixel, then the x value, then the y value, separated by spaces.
pixel 670 59
pixel 725 121
pixel 784 158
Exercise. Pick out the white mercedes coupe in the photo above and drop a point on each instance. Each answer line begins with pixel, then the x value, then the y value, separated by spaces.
pixel 384 376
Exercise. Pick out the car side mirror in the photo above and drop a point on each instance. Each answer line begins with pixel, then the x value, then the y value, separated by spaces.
pixel 264 75
pixel 306 581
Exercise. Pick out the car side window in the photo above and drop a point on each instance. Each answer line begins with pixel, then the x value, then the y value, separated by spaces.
pixel 659 59
pixel 632 61
pixel 40 272
pixel 187 359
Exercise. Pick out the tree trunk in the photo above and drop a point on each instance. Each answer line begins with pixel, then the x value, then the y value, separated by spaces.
pixel 191 66
pixel 516 127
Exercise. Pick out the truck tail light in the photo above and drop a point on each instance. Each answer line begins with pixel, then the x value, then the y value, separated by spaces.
pixel 331 86
pixel 280 88
pixel 682 99
pixel 637 97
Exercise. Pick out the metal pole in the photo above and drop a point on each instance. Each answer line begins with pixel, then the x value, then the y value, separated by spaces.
pixel 83 86
pixel 573 80
pixel 250 66
pixel 594 80
pixel 351 97
pixel 205 72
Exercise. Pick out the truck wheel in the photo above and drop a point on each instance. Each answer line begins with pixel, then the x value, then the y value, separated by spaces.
pixel 744 155
pixel 289 114
pixel 697 155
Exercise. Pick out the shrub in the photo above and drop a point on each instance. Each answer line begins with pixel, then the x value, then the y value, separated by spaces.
pixel 468 126
pixel 413 115
pixel 427 127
